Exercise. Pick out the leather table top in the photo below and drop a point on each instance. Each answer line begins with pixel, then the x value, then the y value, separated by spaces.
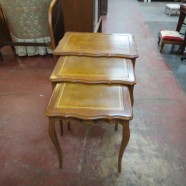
pixel 93 70
pixel 90 102
pixel 97 44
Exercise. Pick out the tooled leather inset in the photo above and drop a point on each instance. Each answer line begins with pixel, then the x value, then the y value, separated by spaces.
pixel 96 67
pixel 98 42
pixel 94 97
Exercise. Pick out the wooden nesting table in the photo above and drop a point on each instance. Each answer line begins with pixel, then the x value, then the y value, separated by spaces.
pixel 93 70
pixel 85 102
pixel 97 45
pixel 93 81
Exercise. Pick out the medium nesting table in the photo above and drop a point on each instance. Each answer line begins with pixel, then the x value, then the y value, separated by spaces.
pixel 93 70
pixel 95 103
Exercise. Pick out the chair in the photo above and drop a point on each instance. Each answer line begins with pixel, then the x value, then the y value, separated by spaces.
pixel 53 27
pixel 55 23
pixel 4 33
pixel 172 9
pixel 171 37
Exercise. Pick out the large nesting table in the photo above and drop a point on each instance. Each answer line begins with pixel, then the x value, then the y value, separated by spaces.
pixel 97 45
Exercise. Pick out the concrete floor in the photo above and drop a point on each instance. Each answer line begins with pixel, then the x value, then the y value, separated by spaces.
pixel 156 153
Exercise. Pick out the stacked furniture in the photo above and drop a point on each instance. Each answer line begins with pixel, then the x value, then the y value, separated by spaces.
pixel 93 82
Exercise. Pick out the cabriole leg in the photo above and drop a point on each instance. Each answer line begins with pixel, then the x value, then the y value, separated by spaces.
pixel 53 137
pixel 124 142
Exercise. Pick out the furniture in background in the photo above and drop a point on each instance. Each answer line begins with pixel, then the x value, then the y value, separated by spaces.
pixel 181 23
pixel 170 37
pixel 35 26
pixel 172 9
pixel 162 0
pixel 82 15
pixel 104 7
pixel 55 23
pixel 4 32
pixel 181 17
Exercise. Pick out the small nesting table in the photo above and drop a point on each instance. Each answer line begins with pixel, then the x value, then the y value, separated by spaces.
pixel 97 45
pixel 90 103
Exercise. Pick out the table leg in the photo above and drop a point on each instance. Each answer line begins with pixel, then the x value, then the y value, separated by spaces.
pixel 133 63
pixel 53 137
pixel 131 90
pixel 116 126
pixel 61 127
pixel 124 142
pixel 68 124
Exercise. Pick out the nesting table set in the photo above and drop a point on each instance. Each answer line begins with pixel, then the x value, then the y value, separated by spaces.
pixel 93 82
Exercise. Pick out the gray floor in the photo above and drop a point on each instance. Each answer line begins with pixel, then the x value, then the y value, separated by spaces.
pixel 156 19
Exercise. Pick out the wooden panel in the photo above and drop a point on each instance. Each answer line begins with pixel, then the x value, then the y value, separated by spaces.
pixel 79 15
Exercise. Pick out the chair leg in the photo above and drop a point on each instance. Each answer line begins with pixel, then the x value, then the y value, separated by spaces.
pixel 161 47
pixel 159 40
pixel 182 49
pixel 183 58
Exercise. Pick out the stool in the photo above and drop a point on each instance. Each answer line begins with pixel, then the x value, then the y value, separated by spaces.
pixel 97 45
pixel 170 37
pixel 171 9
pixel 94 70
pixel 90 103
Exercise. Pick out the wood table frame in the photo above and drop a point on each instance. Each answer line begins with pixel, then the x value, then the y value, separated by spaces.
pixel 54 139
pixel 65 105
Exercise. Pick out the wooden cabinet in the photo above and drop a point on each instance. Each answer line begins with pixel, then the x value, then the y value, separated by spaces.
pixel 82 15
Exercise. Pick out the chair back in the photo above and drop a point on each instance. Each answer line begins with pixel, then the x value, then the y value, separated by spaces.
pixel 55 22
